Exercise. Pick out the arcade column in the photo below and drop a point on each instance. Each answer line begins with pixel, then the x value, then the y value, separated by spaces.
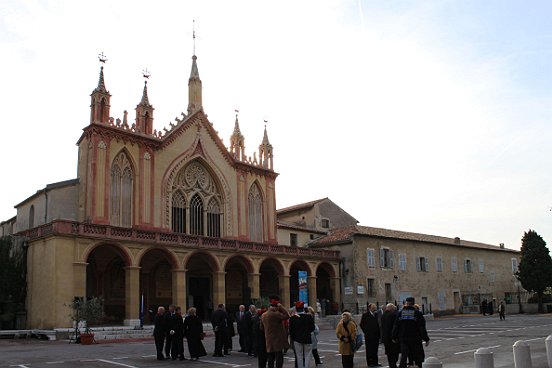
pixel 132 296
pixel 219 288
pixel 312 291
pixel 254 282
pixel 283 280
pixel 179 288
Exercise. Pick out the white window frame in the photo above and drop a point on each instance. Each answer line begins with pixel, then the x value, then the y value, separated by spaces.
pixel 468 265
pixel 439 264
pixel 453 264
pixel 481 266
pixel 386 258
pixel 402 262
pixel 514 266
pixel 370 257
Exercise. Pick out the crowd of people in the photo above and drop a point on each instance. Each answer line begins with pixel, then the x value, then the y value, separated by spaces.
pixel 268 333
pixel 402 333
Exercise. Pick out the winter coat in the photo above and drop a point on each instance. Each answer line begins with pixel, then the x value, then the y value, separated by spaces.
pixel 274 330
pixel 344 338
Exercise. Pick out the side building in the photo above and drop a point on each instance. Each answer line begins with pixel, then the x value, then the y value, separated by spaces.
pixel 445 275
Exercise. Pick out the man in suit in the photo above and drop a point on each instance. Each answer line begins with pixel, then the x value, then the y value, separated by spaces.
pixel 159 332
pixel 392 349
pixel 243 321
pixel 219 321
pixel 370 325
pixel 170 318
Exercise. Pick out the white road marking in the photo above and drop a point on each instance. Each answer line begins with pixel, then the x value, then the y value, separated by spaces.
pixel 56 362
pixel 225 364
pixel 538 338
pixel 148 356
pixel 474 350
pixel 21 365
pixel 119 358
pixel 116 363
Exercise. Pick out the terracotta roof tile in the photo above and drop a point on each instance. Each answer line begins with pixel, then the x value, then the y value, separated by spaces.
pixel 346 234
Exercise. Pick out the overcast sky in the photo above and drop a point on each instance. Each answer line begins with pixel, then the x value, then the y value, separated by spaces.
pixel 423 116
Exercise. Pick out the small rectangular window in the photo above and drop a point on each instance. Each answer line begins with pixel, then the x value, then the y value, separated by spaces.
pixel 388 293
pixel 386 258
pixel 481 266
pixel 422 264
pixel 439 264
pixel 325 223
pixel 453 264
pixel 311 236
pixel 293 239
pixel 370 289
pixel 402 262
pixel 370 257
pixel 468 266
pixel 514 265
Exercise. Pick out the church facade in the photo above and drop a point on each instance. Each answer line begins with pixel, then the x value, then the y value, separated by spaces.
pixel 160 217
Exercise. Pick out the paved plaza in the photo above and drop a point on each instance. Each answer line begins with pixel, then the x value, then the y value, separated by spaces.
pixel 454 340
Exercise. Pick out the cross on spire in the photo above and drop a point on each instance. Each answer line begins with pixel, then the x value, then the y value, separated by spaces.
pixel 102 58
pixel 146 73
pixel 193 32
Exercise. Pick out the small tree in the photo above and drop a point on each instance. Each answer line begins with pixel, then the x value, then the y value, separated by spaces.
pixel 535 266
pixel 88 310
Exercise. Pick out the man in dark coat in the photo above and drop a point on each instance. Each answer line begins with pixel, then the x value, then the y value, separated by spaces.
pixel 177 349
pixel 170 318
pixel 371 328
pixel 409 330
pixel 243 322
pixel 159 332
pixel 219 321
pixel 387 322
pixel 301 326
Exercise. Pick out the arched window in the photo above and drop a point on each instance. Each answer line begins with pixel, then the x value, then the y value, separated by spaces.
pixel 196 215
pixel 178 213
pixel 121 191
pixel 31 216
pixel 255 214
pixel 213 218
pixel 196 206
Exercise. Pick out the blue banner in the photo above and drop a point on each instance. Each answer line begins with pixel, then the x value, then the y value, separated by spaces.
pixel 303 287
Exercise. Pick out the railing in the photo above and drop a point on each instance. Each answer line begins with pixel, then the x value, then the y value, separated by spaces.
pixel 98 231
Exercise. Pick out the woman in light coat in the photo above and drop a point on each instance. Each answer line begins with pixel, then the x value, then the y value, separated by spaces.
pixel 346 332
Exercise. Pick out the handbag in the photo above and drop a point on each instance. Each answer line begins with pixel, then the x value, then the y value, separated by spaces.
pixel 359 340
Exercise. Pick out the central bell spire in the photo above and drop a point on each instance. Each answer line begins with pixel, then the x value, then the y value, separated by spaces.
pixel 195 102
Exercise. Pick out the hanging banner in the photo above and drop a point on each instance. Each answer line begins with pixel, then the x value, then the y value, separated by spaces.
pixel 303 287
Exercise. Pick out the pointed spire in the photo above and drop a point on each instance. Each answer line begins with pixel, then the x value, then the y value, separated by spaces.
pixel 194 74
pixel 195 102
pixel 145 100
pixel 101 82
pixel 265 138
pixel 237 141
pixel 266 153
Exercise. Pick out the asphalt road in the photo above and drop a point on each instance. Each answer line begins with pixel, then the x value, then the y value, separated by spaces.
pixel 453 341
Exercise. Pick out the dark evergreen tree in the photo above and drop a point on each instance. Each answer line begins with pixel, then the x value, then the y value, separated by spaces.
pixel 535 266
pixel 12 281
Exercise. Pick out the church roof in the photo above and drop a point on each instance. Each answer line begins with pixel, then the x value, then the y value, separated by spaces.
pixel 346 235
pixel 289 225
pixel 59 184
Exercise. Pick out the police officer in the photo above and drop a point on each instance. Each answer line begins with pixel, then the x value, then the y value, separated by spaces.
pixel 409 331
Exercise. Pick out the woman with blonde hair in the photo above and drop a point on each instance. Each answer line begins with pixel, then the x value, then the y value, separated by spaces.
pixel 346 332
pixel 193 331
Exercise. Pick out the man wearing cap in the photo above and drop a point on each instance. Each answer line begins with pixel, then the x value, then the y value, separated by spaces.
pixel 410 330
pixel 275 332
pixel 301 325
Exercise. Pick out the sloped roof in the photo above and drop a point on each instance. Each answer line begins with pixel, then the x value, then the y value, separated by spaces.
pixel 289 225
pixel 300 206
pixel 59 184
pixel 346 234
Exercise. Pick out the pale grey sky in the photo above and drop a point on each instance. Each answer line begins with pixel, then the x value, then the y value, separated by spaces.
pixel 431 117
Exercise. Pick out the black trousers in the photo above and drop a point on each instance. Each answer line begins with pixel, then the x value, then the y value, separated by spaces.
pixel 413 349
pixel 168 344
pixel 159 342
pixel 316 356
pixel 177 349
pixel 244 342
pixel 275 359
pixel 347 361
pixel 392 352
pixel 220 340
pixel 372 345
